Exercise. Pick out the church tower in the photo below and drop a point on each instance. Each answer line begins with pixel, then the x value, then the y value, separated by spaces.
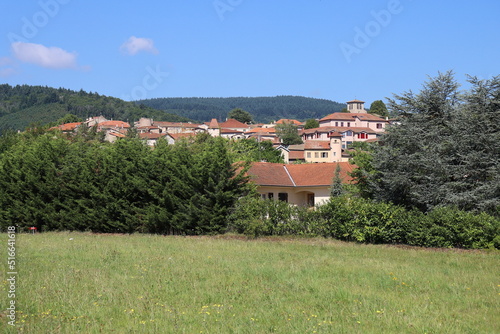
pixel 356 106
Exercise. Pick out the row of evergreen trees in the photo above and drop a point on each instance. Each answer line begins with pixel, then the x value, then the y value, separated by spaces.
pixel 54 183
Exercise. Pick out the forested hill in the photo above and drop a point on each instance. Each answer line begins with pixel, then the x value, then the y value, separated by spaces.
pixel 263 109
pixel 23 105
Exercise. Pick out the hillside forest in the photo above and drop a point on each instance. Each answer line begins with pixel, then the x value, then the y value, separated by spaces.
pixel 23 105
pixel 262 109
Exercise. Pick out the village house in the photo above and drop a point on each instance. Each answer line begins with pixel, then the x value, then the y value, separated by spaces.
pixel 67 127
pixel 233 129
pixel 298 184
pixel 356 117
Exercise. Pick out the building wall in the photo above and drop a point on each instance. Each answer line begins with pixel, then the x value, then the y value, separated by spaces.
pixel 297 195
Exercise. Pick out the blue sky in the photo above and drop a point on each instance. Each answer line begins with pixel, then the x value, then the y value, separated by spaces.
pixel 331 49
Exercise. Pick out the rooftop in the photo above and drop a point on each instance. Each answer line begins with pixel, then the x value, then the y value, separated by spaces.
pixel 301 175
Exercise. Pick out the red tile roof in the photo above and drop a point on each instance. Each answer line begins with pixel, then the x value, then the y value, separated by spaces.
pixel 345 116
pixel 233 124
pixel 117 134
pixel 213 124
pixel 175 124
pixel 113 124
pixel 302 175
pixel 177 136
pixel 317 145
pixel 67 126
pixel 339 130
pixel 149 135
pixel 262 130
pixel 296 155
pixel 294 121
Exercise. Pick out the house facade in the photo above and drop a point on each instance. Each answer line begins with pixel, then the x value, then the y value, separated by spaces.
pixel 357 117
pixel 302 184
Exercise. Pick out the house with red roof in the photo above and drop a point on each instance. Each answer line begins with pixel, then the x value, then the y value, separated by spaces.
pixel 300 125
pixel 152 138
pixel 356 117
pixel 113 136
pixel 298 184
pixel 115 125
pixel 233 129
pixel 67 127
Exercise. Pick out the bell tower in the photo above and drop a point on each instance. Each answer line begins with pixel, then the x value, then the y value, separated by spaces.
pixel 356 106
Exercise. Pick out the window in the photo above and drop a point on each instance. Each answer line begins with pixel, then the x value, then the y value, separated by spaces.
pixel 348 124
pixel 270 195
pixel 318 134
pixel 336 123
pixel 308 154
pixel 334 154
pixel 359 105
pixel 324 154
pixel 310 200
pixel 341 123
pixel 263 196
pixel 362 135
pixel 283 197
pixel 316 154
pixel 379 125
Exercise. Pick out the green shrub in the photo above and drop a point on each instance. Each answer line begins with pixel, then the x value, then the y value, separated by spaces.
pixel 451 227
pixel 361 220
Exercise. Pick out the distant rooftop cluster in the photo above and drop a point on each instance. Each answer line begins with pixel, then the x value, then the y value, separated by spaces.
pixel 326 143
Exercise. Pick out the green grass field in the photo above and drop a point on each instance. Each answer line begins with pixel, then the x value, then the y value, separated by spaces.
pixel 85 283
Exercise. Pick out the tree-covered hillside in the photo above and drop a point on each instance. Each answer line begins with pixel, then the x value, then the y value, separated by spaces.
pixel 263 109
pixel 22 105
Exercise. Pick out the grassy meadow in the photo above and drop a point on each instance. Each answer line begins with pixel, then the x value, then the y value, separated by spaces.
pixel 95 283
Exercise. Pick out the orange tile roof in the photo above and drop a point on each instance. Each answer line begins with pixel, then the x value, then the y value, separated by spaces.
pixel 356 101
pixel 231 131
pixel 117 134
pixel 175 124
pixel 339 129
pixel 113 124
pixel 294 121
pixel 213 124
pixel 296 155
pixel 317 145
pixel 302 175
pixel 341 116
pixel 345 116
pixel 232 123
pixel 149 135
pixel 260 130
pixel 67 126
pixel 177 136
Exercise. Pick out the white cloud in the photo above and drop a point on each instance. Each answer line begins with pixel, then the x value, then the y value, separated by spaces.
pixel 49 57
pixel 136 44
pixel 6 68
